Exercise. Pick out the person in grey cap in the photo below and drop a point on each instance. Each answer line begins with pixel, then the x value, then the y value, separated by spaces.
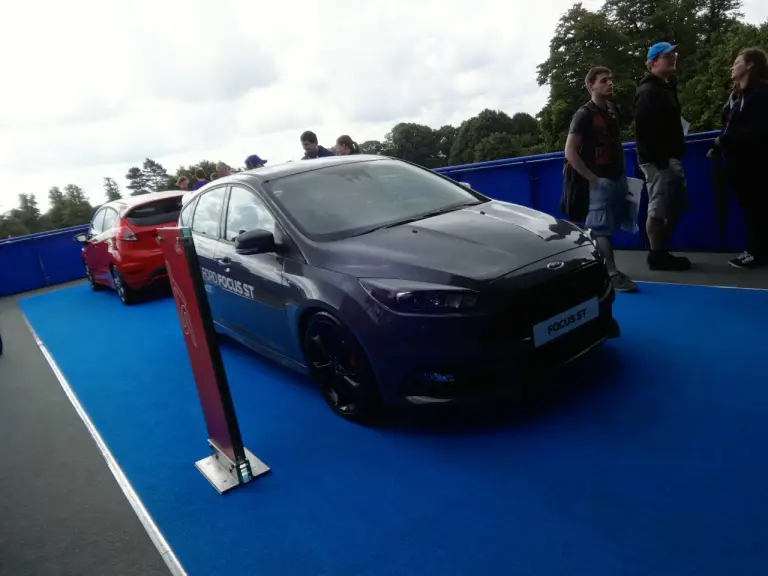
pixel 660 142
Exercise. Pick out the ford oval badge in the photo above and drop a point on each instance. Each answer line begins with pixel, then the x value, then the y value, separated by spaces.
pixel 555 265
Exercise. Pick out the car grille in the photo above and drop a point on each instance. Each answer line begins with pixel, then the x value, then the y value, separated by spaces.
pixel 544 300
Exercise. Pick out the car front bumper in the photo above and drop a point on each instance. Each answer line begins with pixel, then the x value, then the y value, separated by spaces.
pixel 469 359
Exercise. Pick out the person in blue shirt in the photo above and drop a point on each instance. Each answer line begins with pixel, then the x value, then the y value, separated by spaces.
pixel 311 148
pixel 253 161
pixel 202 179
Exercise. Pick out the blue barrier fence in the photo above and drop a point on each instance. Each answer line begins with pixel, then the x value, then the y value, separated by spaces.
pixel 39 260
pixel 536 182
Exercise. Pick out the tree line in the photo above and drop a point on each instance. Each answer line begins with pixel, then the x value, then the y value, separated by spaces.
pixel 709 35
pixel 69 206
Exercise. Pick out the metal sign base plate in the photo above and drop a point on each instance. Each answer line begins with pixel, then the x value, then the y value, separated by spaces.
pixel 221 473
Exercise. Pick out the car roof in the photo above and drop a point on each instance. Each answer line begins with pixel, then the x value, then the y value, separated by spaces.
pixel 140 199
pixel 268 173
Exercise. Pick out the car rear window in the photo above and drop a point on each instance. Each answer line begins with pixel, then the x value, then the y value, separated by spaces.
pixel 154 213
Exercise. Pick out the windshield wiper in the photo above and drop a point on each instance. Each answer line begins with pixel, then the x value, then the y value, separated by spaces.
pixel 430 214
pixel 415 218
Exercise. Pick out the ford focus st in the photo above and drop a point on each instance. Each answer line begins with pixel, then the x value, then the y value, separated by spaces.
pixel 389 283
pixel 120 249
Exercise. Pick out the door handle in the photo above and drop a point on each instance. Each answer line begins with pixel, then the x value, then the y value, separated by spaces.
pixel 224 260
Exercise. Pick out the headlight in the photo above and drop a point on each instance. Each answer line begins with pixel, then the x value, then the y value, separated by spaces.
pixel 420 297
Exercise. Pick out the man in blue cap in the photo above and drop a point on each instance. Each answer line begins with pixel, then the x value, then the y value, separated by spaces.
pixel 660 142
pixel 253 161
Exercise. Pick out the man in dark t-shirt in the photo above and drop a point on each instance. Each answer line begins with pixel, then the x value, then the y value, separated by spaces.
pixel 595 152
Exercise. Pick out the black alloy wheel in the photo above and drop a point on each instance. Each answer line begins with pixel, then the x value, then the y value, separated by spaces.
pixel 95 286
pixel 123 290
pixel 338 364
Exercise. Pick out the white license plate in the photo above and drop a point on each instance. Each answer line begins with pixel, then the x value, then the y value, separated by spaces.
pixel 564 322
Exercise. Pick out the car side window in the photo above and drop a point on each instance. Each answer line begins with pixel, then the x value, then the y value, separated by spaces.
pixel 185 217
pixel 97 225
pixel 110 217
pixel 208 213
pixel 246 212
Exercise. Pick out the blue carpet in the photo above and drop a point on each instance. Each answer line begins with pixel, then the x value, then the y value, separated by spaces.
pixel 658 468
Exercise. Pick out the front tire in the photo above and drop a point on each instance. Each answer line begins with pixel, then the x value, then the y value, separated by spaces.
pixel 95 286
pixel 339 365
pixel 125 293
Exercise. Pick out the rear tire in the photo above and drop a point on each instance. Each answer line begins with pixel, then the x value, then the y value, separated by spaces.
pixel 339 365
pixel 126 294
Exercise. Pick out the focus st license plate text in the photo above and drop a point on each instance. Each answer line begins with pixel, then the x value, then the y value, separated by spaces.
pixel 564 322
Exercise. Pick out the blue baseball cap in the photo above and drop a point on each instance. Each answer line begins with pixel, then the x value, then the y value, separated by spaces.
pixel 658 49
pixel 254 160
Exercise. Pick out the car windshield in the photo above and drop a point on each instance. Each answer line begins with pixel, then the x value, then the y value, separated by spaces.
pixel 351 199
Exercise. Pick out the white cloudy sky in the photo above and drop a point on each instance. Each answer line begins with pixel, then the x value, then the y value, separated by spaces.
pixel 94 87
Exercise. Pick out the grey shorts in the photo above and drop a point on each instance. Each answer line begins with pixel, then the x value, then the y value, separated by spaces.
pixel 607 206
pixel 667 190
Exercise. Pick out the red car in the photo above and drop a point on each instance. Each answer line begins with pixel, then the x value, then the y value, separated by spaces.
pixel 120 250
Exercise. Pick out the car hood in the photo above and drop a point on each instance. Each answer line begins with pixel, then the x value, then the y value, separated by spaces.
pixel 473 245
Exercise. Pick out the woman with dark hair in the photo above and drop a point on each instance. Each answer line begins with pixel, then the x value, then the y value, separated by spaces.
pixel 346 146
pixel 743 144
pixel 719 176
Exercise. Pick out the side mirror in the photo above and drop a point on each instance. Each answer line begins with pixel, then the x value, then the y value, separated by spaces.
pixel 255 242
pixel 465 184
pixel 81 238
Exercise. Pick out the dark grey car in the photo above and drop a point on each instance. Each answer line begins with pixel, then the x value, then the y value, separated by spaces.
pixel 390 283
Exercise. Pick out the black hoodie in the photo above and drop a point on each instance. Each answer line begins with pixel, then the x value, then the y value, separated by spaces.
pixel 744 140
pixel 658 126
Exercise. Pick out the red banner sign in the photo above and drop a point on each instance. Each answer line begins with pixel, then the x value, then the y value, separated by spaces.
pixel 200 337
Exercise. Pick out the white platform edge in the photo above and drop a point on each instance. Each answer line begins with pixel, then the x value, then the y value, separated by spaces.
pixel 138 507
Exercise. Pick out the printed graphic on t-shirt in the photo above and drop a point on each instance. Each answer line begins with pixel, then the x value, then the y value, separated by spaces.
pixel 607 140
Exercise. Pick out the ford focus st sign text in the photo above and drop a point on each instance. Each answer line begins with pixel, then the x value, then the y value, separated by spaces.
pixel 565 322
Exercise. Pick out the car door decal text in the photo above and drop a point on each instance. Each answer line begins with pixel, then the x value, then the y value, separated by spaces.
pixel 227 283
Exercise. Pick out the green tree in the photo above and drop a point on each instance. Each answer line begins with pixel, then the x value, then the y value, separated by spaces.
pixel 475 130
pixel 582 40
pixel 79 209
pixel 12 227
pixel 28 213
pixel 373 147
pixel 524 124
pixel 155 175
pixel 57 208
pixel 445 136
pixel 111 189
pixel 137 181
pixel 415 143
pixel 497 146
